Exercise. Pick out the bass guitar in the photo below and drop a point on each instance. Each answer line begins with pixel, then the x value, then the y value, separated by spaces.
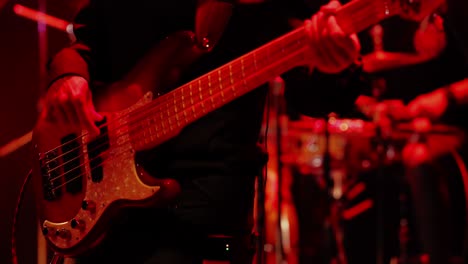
pixel 81 183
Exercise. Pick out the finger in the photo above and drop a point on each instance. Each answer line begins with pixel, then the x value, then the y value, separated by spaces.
pixel 331 7
pixel 56 111
pixel 85 118
pixel 348 47
pixel 49 113
pixel 94 114
pixel 92 110
pixel 322 43
pixel 80 97
pixel 93 117
pixel 67 110
pixel 334 57
pixel 334 28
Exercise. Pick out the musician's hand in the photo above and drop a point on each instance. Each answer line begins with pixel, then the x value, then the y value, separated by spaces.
pixel 388 109
pixel 333 50
pixel 431 105
pixel 430 40
pixel 68 102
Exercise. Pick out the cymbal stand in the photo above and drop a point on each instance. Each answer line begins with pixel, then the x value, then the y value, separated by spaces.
pixel 56 259
pixel 279 104
pixel 336 205
pixel 380 146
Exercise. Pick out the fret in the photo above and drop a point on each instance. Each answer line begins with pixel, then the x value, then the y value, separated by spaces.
pixel 255 60
pixel 233 88
pixel 242 67
pixel 267 51
pixel 203 107
pixel 220 80
pixel 210 90
pixel 145 137
pixel 212 103
pixel 163 125
pixel 151 133
pixel 200 89
pixel 230 73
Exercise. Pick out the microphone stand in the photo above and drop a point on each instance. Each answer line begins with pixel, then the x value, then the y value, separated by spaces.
pixel 381 148
pixel 280 106
pixel 378 87
pixel 336 206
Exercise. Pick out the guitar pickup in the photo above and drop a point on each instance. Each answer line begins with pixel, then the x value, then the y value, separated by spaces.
pixel 95 150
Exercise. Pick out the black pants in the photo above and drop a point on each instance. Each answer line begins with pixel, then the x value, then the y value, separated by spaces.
pixel 439 204
pixel 435 208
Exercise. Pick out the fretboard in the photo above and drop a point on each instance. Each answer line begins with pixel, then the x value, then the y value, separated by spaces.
pixel 165 116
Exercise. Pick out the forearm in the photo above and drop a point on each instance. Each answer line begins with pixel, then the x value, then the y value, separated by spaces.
pixel 75 59
pixel 69 61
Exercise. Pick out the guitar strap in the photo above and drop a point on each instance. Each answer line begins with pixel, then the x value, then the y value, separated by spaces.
pixel 212 17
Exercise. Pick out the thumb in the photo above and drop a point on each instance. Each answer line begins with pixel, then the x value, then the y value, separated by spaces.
pixel 94 114
pixel 331 7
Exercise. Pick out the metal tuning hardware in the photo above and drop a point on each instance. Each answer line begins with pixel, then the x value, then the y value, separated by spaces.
pixel 88 205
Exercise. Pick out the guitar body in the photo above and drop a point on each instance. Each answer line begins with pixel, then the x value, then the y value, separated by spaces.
pixel 82 183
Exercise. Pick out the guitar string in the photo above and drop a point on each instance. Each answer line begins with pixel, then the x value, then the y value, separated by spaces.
pixel 168 96
pixel 356 4
pixel 105 143
pixel 143 133
pixel 169 100
pixel 119 154
pixel 199 103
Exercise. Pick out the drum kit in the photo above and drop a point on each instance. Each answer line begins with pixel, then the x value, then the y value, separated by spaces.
pixel 338 174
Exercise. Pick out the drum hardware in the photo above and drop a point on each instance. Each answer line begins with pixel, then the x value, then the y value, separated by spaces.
pixel 334 184
pixel 279 106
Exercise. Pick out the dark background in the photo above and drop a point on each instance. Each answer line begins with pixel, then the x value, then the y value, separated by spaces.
pixel 20 86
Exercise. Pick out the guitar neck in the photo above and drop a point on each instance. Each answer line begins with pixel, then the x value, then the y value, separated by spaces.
pixel 164 117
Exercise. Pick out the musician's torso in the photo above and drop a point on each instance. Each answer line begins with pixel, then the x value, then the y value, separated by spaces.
pixel 126 33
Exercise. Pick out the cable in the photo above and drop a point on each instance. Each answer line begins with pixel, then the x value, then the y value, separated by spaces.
pixel 14 256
